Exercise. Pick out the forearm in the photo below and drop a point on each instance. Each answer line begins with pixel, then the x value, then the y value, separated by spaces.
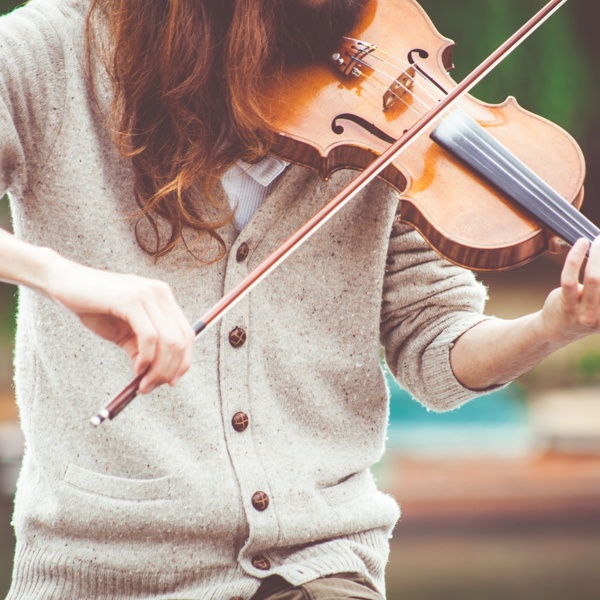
pixel 497 351
pixel 25 264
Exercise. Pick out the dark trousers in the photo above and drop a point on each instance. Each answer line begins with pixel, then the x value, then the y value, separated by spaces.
pixel 342 586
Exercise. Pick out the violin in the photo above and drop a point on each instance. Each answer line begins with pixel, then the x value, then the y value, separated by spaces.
pixel 486 185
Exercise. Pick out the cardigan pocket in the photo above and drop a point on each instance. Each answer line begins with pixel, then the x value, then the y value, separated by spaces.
pixel 121 488
pixel 349 488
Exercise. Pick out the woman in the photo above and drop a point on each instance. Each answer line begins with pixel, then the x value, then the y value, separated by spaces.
pixel 133 147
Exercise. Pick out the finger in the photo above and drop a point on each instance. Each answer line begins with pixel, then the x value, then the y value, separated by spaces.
pixel 174 342
pixel 165 363
pixel 142 343
pixel 169 305
pixel 590 297
pixel 185 362
pixel 189 337
pixel 569 279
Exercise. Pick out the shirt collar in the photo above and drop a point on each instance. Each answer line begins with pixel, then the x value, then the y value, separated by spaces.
pixel 265 171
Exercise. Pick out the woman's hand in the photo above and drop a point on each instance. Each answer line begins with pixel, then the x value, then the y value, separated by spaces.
pixel 139 315
pixel 573 310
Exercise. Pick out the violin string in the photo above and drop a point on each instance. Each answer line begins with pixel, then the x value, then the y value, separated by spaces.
pixel 404 64
pixel 374 98
pixel 375 83
pixel 564 212
pixel 404 87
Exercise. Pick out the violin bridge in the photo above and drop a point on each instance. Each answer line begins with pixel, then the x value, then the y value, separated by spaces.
pixel 402 85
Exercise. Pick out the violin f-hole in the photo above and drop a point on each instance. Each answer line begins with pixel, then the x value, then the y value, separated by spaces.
pixel 423 54
pixel 370 127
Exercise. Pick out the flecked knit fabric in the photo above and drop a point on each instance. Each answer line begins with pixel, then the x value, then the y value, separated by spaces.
pixel 158 502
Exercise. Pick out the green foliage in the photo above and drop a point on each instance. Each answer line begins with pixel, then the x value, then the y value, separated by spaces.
pixel 588 366
pixel 6 5
pixel 7 292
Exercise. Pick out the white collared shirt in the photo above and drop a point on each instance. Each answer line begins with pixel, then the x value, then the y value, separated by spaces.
pixel 247 185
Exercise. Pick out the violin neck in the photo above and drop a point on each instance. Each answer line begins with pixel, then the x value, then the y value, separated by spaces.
pixel 469 142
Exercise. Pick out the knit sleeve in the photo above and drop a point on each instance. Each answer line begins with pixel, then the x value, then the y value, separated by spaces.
pixel 31 91
pixel 427 304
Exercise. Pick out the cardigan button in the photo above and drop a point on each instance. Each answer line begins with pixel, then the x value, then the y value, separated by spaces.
pixel 260 501
pixel 240 421
pixel 237 337
pixel 236 598
pixel 242 252
pixel 261 563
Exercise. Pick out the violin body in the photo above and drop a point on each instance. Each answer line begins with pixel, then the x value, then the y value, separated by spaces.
pixel 346 110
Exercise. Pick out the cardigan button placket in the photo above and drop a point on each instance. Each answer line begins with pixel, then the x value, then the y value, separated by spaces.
pixel 235 385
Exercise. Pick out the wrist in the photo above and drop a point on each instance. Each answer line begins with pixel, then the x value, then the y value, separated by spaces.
pixel 55 273
pixel 46 266
pixel 551 332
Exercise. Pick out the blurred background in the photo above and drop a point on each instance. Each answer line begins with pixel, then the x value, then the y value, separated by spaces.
pixel 500 499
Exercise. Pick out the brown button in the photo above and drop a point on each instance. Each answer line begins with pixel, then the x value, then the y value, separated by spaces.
pixel 242 252
pixel 261 562
pixel 260 501
pixel 240 421
pixel 236 598
pixel 237 337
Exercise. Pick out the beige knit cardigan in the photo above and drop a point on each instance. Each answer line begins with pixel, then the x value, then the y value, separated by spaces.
pixel 160 502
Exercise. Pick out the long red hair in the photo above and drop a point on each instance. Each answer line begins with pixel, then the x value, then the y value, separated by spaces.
pixel 187 78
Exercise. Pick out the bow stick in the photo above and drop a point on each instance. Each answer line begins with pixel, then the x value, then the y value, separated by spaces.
pixel 127 394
